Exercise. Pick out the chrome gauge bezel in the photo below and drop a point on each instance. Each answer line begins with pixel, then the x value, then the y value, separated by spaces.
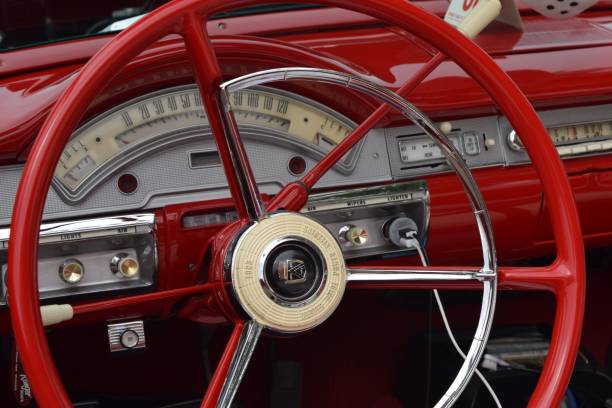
pixel 129 155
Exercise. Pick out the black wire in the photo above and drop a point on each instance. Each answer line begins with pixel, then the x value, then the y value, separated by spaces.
pixel 587 394
pixel 429 347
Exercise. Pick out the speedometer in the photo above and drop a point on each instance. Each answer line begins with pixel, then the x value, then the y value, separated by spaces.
pixel 131 130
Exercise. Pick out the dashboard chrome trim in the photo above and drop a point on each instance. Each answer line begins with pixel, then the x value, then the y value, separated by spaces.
pixel 513 141
pixel 91 242
pixel 89 228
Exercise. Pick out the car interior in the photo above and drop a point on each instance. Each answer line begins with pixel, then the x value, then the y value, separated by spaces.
pixel 259 203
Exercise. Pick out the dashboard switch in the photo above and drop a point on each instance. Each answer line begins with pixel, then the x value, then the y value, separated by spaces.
pixel 129 339
pixel 124 265
pixel 126 336
pixel 72 271
pixel 470 143
pixel 356 235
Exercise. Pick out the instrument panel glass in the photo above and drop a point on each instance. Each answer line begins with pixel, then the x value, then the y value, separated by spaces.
pixel 107 141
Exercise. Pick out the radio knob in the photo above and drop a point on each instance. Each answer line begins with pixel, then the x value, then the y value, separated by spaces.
pixel 124 265
pixel 72 271
pixel 356 235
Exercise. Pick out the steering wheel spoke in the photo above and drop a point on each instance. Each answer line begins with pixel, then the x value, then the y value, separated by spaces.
pixel 233 364
pixel 400 275
pixel 240 177
pixel 287 198
pixel 555 277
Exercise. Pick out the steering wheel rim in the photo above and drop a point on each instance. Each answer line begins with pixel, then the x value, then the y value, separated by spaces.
pixel 565 277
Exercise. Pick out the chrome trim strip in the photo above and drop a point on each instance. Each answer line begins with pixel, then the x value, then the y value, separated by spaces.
pixel 246 345
pixel 405 192
pixel 89 228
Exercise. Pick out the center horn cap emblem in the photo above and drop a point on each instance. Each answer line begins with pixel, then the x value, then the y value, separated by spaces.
pixel 292 271
pixel 288 272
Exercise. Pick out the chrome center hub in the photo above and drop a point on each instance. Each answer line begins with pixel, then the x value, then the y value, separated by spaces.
pixel 288 272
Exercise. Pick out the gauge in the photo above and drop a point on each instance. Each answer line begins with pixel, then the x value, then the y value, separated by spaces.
pixel 113 139
pixel 420 150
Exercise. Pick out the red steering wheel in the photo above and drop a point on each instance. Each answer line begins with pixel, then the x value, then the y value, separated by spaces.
pixel 565 277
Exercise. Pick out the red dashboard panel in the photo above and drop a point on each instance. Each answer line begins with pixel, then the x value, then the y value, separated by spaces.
pixel 32 79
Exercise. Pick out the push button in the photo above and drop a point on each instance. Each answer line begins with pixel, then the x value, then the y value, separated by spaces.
pixel 594 147
pixel 470 143
pixel 564 150
pixel 579 149
pixel 607 145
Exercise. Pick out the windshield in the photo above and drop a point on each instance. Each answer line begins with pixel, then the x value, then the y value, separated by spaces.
pixel 25 23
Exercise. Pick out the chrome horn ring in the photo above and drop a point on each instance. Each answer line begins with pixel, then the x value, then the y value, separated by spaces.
pixel 487 274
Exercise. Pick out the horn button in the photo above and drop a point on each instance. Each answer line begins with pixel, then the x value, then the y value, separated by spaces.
pixel 294 271
pixel 288 272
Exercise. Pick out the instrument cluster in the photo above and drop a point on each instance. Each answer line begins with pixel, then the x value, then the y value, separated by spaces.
pixel 143 125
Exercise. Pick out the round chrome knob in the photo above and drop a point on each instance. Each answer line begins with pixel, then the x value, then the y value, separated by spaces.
pixel 129 339
pixel 72 271
pixel 356 235
pixel 124 265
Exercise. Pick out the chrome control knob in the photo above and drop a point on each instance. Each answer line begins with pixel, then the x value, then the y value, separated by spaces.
pixel 72 271
pixel 129 339
pixel 124 265
pixel 356 235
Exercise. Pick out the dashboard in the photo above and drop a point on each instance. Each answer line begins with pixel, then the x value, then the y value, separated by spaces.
pixel 139 197
pixel 157 150
pixel 142 174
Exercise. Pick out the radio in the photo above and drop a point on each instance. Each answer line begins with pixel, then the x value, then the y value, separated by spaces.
pixel 573 140
pixel 576 132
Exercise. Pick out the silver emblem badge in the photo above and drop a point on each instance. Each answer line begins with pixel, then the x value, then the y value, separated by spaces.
pixel 292 271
